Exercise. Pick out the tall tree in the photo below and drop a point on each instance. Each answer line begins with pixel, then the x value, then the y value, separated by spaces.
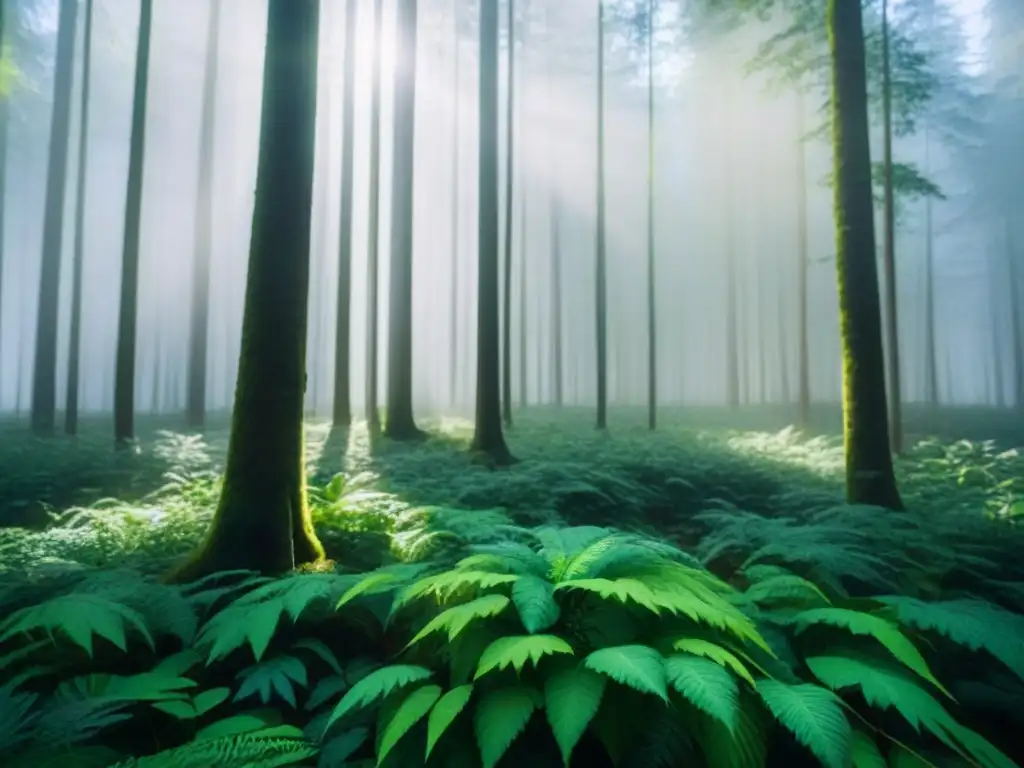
pixel 803 257
pixel 652 324
pixel 342 390
pixel 869 469
pixel 401 424
pixel 453 319
pixel 127 321
pixel 75 341
pixel 44 380
pixel 4 134
pixel 557 354
pixel 262 522
pixel 889 254
pixel 373 244
pixel 199 320
pixel 510 145
pixel 601 299
pixel 488 438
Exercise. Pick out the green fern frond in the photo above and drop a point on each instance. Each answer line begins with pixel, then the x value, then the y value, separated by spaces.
pixel 535 602
pixel 413 708
pixel 446 584
pixel 376 686
pixel 447 708
pixel 716 653
pixel 500 717
pixel 814 715
pixel 974 624
pixel 571 699
pixel 457 618
pixel 275 676
pixel 517 650
pixel 786 588
pixel 706 685
pixel 246 751
pixel 638 666
pixel 507 557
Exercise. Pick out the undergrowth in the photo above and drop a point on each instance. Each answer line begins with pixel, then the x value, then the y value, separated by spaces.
pixel 636 601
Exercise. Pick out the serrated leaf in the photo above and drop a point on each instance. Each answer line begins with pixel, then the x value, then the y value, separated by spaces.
pixel 366 585
pixel 638 666
pixel 716 653
pixel 325 689
pixel 885 632
pixel 232 726
pixel 204 701
pixel 444 713
pixel 517 650
pixel 534 599
pixel 814 715
pixel 786 587
pixel 377 685
pixel 706 685
pixel 337 750
pixel 571 699
pixel 500 717
pixel 412 709
pixel 458 617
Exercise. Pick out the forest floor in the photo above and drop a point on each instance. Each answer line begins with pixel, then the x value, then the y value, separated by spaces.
pixel 735 499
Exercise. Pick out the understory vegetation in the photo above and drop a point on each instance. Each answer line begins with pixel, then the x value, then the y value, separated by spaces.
pixel 638 599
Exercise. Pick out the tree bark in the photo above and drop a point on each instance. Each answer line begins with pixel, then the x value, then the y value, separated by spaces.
pixel 803 265
pixel 262 522
pixel 401 424
pixel 869 469
pixel 601 299
pixel 488 439
pixel 75 340
pixel 44 380
pixel 373 246
pixel 506 320
pixel 652 324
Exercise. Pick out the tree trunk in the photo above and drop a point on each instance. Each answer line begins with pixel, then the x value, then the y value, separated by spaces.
pixel 453 319
pixel 195 408
pixel 400 422
pixel 373 246
pixel 1016 308
pixel 44 379
pixel 869 469
pixel 652 325
pixel 523 313
pixel 601 298
pixel 4 132
pixel 262 522
pixel 803 265
pixel 732 341
pixel 127 322
pixel 75 340
pixel 895 394
pixel 342 338
pixel 557 357
pixel 931 381
pixel 506 325
pixel 488 440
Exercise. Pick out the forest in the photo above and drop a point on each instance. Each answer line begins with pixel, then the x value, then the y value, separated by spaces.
pixel 487 383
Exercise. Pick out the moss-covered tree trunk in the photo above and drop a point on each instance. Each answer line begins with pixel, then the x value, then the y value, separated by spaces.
pixel 127 320
pixel 401 425
pixel 373 244
pixel 75 334
pixel 44 375
pixel 199 322
pixel 342 411
pixel 869 468
pixel 262 522
pixel 488 438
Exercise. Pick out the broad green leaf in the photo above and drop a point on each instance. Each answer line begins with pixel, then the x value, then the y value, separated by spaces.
pixel 413 709
pixel 517 650
pixel 814 715
pixel 377 685
pixel 207 700
pixel 444 713
pixel 706 685
pixel 500 717
pixel 716 653
pixel 572 698
pixel 534 599
pixel 865 752
pixel 457 618
pixel 885 632
pixel 638 666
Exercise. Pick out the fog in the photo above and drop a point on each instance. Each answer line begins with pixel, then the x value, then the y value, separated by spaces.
pixel 726 173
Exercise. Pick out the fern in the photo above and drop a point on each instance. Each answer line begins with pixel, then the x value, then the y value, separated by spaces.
pixel 638 666
pixel 454 620
pixel 444 713
pixel 413 708
pixel 278 675
pixel 517 650
pixel 706 685
pixel 500 717
pixel 571 699
pixel 245 751
pixel 375 686
pixel 814 715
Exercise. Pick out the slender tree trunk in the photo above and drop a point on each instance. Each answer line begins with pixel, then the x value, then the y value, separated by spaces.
pixel 453 319
pixel 1013 278
pixel 506 326
pixel 4 134
pixel 523 320
pixel 262 522
pixel 127 324
pixel 895 394
pixel 931 381
pixel 652 322
pixel 373 246
pixel 401 424
pixel 44 379
pixel 803 265
pixel 199 328
pixel 557 355
pixel 869 468
pixel 342 334
pixel 601 299
pixel 488 439
pixel 75 341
